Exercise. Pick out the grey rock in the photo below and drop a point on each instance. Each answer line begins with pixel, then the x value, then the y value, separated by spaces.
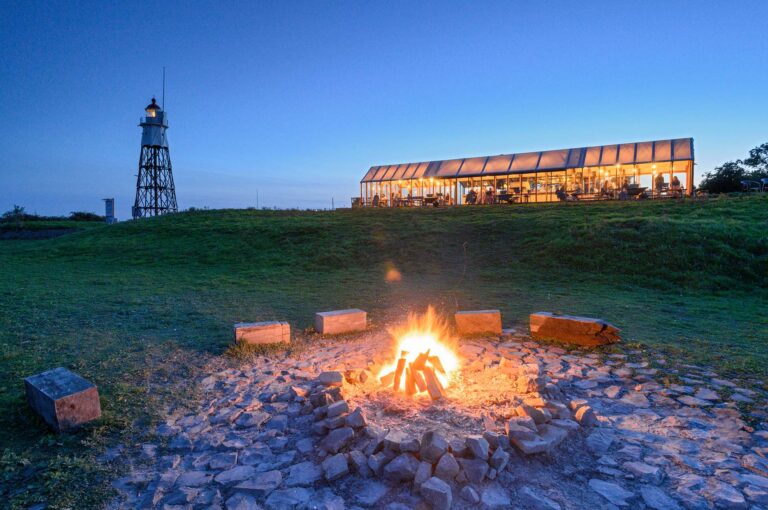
pixel 223 460
pixel 447 468
pixel 612 492
pixel 370 493
pixel 433 446
pixel 337 439
pixel 240 501
pixel 474 469
pixel 359 463
pixel 645 472
pixel 305 445
pixel 600 441
pixel 335 467
pixel 402 468
pixel 423 474
pixel 585 416
pixel 635 399
pixel 516 431
pixel 337 409
pixel 468 493
pixel 356 419
pixel 499 459
pixel 495 497
pixel 252 419
pixel 261 484
pixel 657 499
pixel 325 499
pixel 193 479
pixel 438 493
pixel 398 441
pixel 279 422
pixel 532 499
pixel 377 461
pixel 288 499
pixel 478 446
pixel 236 474
pixel 331 378
pixel 303 474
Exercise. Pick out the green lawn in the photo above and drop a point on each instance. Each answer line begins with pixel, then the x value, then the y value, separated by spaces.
pixel 138 307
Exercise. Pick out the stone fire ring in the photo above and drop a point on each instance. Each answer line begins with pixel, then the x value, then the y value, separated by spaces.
pixel 604 433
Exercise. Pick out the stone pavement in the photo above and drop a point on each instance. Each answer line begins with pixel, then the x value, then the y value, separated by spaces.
pixel 655 437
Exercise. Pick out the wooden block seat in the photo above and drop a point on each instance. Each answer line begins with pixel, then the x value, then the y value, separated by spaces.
pixel 478 322
pixel 572 329
pixel 62 398
pixel 335 322
pixel 270 332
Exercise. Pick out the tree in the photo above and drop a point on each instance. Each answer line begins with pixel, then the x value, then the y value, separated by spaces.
pixel 727 177
pixel 15 215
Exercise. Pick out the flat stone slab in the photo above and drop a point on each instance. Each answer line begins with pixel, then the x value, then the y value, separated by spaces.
pixel 574 330
pixel 62 398
pixel 478 322
pixel 336 322
pixel 271 332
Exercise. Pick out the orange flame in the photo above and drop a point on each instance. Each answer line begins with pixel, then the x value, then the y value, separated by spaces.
pixel 419 334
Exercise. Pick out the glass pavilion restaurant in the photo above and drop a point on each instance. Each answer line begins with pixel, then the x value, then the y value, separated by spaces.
pixel 629 170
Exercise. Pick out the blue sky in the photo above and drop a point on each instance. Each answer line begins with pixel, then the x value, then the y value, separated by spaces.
pixel 297 99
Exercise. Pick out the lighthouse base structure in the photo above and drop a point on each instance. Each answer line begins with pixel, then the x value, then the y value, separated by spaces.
pixel 155 191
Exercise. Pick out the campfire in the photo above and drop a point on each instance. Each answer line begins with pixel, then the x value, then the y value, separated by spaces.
pixel 425 358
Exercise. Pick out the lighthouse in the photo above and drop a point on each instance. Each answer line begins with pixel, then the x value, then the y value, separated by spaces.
pixel 155 192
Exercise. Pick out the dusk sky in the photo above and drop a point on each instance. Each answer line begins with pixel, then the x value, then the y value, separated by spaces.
pixel 298 99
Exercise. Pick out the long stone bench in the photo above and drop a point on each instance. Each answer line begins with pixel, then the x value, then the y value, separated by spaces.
pixel 478 322
pixel 571 329
pixel 335 322
pixel 62 398
pixel 270 332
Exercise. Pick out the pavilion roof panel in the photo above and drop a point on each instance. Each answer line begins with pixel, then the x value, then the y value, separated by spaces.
pixel 553 160
pixel 680 149
pixel 498 164
pixel 662 150
pixel 473 166
pixel 525 162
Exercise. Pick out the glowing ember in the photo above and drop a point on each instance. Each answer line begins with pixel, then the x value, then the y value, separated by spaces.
pixel 425 357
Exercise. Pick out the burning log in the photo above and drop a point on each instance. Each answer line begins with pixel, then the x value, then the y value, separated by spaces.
pixel 387 379
pixel 399 372
pixel 410 384
pixel 421 360
pixel 418 379
pixel 434 387
pixel 435 362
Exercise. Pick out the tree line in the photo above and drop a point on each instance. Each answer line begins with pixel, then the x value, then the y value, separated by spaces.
pixel 729 176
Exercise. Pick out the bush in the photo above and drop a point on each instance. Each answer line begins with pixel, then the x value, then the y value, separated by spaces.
pixel 85 216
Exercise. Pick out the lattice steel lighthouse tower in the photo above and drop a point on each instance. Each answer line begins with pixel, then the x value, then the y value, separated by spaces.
pixel 155 192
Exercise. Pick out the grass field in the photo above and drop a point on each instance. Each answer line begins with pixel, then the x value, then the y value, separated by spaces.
pixel 139 307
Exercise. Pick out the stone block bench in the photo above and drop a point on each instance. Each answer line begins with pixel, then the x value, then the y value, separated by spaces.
pixel 62 398
pixel 478 322
pixel 571 329
pixel 270 332
pixel 341 321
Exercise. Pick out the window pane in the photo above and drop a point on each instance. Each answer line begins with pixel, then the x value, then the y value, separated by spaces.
pixel 448 168
pixel 644 152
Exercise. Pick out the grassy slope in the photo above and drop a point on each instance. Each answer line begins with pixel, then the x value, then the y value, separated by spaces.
pixel 133 306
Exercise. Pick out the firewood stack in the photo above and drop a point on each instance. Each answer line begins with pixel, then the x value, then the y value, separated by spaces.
pixel 419 375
